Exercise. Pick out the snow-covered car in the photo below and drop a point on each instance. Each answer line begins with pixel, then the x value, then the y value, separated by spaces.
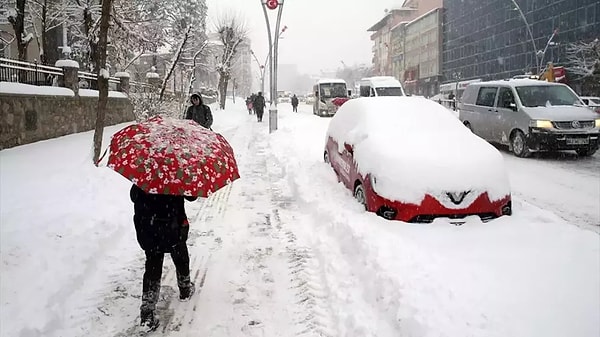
pixel 592 102
pixel 408 159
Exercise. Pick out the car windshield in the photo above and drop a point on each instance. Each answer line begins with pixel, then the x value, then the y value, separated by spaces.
pixel 389 91
pixel 545 95
pixel 331 90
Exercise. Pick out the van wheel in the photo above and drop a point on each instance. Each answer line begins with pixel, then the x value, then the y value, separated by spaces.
pixel 468 125
pixel 519 145
pixel 585 152
pixel 360 195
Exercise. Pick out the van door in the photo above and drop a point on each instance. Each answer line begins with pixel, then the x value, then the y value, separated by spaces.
pixel 484 112
pixel 507 115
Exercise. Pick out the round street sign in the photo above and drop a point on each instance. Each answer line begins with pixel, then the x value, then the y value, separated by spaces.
pixel 272 4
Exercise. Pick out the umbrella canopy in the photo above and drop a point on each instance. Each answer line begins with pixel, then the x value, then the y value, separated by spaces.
pixel 164 155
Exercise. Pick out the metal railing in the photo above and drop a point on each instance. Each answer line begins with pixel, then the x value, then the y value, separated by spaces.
pixel 28 73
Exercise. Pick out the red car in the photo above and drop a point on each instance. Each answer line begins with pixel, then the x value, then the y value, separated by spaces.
pixel 409 159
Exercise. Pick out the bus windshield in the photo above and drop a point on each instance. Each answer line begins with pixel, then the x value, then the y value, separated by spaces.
pixel 332 90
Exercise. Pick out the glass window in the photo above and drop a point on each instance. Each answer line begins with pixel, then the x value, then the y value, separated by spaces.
pixel 546 95
pixel 486 96
pixel 505 98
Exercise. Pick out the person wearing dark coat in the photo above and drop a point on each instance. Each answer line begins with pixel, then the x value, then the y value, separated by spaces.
pixel 199 112
pixel 295 103
pixel 161 226
pixel 259 106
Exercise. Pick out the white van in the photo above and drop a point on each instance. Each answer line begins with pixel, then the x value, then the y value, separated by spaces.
pixel 380 86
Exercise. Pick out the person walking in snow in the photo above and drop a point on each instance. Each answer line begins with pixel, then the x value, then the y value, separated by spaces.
pixel 295 103
pixel 259 106
pixel 199 112
pixel 249 105
pixel 161 226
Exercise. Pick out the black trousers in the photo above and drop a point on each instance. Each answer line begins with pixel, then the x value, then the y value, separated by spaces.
pixel 295 108
pixel 153 273
pixel 259 114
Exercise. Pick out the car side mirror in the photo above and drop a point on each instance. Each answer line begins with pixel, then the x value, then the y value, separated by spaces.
pixel 349 93
pixel 513 106
pixel 316 94
pixel 349 148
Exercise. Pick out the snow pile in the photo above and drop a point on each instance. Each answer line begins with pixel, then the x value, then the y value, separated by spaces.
pixel 28 89
pixel 413 146
pixel 121 74
pixel 67 64
pixel 95 93
pixel 104 73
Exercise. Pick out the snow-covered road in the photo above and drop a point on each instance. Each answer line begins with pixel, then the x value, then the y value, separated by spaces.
pixel 286 251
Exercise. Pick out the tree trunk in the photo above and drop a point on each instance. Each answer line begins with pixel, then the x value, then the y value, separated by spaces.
pixel 18 25
pixel 223 82
pixel 102 81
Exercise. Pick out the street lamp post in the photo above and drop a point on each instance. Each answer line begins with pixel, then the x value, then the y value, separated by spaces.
pixel 272 58
pixel 535 50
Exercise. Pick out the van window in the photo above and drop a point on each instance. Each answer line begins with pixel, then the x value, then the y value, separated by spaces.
pixel 486 96
pixel 505 98
pixel 364 91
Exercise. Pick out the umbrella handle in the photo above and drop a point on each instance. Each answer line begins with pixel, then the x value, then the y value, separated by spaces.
pixel 102 156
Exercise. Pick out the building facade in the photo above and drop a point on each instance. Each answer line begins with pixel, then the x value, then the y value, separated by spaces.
pixel 489 39
pixel 387 35
pixel 422 48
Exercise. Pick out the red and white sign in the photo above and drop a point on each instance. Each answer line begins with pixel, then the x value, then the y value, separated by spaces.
pixel 272 4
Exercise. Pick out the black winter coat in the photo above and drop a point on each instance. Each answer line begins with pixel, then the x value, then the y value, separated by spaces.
pixel 201 114
pixel 160 220
pixel 259 103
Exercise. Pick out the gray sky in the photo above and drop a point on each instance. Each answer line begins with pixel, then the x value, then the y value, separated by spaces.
pixel 320 34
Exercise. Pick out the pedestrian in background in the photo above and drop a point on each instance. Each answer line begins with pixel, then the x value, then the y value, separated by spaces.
pixel 199 112
pixel 295 103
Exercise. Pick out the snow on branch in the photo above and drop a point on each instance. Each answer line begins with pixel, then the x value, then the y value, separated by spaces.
pixel 584 58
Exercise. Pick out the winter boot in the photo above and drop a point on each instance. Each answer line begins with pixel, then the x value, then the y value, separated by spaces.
pixel 149 322
pixel 186 287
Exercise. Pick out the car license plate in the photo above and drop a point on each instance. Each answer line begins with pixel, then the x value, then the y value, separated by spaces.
pixel 578 141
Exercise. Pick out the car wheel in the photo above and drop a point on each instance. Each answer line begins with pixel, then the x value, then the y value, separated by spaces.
pixel 585 152
pixel 326 157
pixel 468 125
pixel 360 195
pixel 519 145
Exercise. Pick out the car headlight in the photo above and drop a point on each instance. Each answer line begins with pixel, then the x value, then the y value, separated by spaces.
pixel 598 123
pixel 541 124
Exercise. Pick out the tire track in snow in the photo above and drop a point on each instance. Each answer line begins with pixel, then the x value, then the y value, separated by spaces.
pixel 314 313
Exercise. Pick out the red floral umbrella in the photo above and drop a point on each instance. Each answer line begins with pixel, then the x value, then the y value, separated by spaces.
pixel 164 155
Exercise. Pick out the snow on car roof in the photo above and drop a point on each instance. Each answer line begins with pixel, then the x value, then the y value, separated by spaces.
pixel 383 81
pixel 331 80
pixel 516 82
pixel 414 146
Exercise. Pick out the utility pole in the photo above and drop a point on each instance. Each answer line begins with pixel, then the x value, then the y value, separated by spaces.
pixel 273 45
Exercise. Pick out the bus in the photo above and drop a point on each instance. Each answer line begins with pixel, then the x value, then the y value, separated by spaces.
pixel 325 91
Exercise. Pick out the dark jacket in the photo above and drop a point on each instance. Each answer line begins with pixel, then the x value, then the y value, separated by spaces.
pixel 201 114
pixel 259 103
pixel 160 220
pixel 294 101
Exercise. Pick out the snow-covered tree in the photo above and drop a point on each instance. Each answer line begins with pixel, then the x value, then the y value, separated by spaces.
pixel 16 17
pixel 232 32
pixel 45 16
pixel 584 62
pixel 185 32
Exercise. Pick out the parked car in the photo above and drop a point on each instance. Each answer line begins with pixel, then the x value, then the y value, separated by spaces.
pixel 530 115
pixel 592 102
pixel 408 159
